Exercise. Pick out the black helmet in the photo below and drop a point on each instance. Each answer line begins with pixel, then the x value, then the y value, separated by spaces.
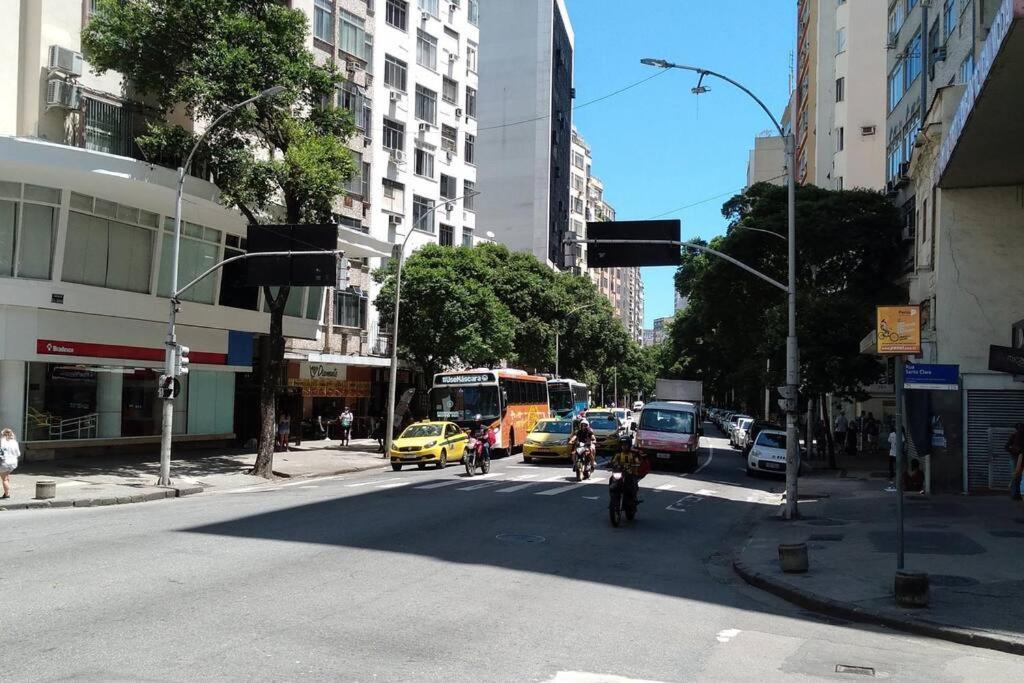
pixel 625 441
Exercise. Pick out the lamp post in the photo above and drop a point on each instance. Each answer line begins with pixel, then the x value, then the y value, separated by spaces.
pixel 568 313
pixel 792 349
pixel 393 376
pixel 167 423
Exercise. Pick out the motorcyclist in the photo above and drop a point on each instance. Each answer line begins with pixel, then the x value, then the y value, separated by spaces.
pixel 584 434
pixel 483 434
pixel 633 463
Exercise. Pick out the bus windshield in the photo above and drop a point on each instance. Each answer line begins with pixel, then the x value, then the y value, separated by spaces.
pixel 560 399
pixel 463 404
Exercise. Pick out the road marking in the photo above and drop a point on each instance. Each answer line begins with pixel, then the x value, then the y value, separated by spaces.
pixel 711 456
pixel 68 484
pixel 560 477
pixel 678 505
pixel 394 484
pixel 369 483
pixel 524 477
pixel 705 492
pixel 555 492
pixel 725 635
pixel 520 487
pixel 480 486
pixel 592 497
pixel 440 484
pixel 665 487
pixel 587 677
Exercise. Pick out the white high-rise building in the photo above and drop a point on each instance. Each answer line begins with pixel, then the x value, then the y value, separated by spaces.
pixel 525 146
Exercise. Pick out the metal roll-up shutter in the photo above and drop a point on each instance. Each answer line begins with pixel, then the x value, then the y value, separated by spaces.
pixel 991 416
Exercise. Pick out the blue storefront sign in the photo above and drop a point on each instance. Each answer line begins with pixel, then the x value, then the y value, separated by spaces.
pixel 935 377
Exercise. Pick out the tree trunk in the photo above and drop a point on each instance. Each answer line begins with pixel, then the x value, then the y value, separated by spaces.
pixel 271 357
pixel 827 423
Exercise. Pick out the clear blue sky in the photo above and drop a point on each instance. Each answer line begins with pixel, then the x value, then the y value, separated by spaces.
pixel 658 147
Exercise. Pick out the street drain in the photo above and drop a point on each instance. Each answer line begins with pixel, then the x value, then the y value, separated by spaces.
pixel 520 538
pixel 859 670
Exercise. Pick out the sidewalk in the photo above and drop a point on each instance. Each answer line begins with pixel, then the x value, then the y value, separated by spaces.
pixel 86 482
pixel 969 546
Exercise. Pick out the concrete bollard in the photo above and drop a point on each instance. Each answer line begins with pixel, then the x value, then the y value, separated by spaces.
pixel 793 558
pixel 46 490
pixel 911 589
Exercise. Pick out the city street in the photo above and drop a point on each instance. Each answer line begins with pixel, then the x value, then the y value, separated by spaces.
pixel 428 575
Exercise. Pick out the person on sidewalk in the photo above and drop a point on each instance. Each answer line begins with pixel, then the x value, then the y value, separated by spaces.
pixel 913 481
pixel 284 428
pixel 892 452
pixel 1015 447
pixel 871 428
pixel 841 426
pixel 378 433
pixel 345 419
pixel 9 455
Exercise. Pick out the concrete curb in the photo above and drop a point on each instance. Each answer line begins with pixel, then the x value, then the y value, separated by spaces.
pixel 168 492
pixel 843 610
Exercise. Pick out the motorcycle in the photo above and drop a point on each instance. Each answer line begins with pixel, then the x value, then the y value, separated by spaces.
pixel 622 495
pixel 582 465
pixel 476 456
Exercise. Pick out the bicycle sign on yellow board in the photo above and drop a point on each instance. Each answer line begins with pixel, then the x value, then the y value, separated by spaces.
pixel 899 330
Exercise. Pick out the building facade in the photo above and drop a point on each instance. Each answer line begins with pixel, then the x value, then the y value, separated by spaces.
pixel 661 328
pixel 525 122
pixel 767 161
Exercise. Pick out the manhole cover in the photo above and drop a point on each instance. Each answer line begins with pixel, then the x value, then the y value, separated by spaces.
pixel 1000 533
pixel 825 537
pixel 826 522
pixel 520 538
pixel 950 581
pixel 860 670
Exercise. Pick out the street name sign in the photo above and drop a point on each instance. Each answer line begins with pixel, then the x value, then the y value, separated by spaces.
pixel 928 376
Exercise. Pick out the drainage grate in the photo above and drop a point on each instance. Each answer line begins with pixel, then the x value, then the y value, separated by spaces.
pixel 859 670
pixel 826 537
pixel 520 538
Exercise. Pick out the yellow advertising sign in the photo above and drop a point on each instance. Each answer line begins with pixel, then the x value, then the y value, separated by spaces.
pixel 899 330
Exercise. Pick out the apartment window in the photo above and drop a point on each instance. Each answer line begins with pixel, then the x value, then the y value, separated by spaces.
pixel 424 165
pixel 452 33
pixel 395 71
pixel 429 6
pixel 467 237
pixel 967 68
pixel 470 145
pixel 472 50
pixel 352 98
pixel 473 7
pixel 577 160
pixel 577 227
pixel 897 15
pixel 948 18
pixel 396 13
pixel 449 186
pixel 426 105
pixel 446 236
pixel 394 196
pixel 470 101
pixel 449 139
pixel 352 36
pixel 449 90
pixel 394 134
pixel 27 230
pixel 840 138
pixel 896 84
pixel 577 205
pixel 105 127
pixel 468 195
pixel 840 89
pixel 577 182
pixel 914 60
pixel 357 183
pixel 107 250
pixel 422 213
pixel 924 221
pixel 841 40
pixel 198 251
pixel 323 21
pixel 426 50
pixel 350 308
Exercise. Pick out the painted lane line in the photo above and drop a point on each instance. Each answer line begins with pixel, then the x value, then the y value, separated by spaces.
pixel 394 485
pixel 369 483
pixel 440 484
pixel 592 497
pixel 711 456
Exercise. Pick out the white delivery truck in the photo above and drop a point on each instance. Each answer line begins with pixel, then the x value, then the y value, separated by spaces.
pixel 691 391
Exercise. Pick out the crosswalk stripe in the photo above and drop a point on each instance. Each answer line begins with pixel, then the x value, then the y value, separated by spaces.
pixel 555 492
pixel 520 487
pixel 665 487
pixel 481 486
pixel 440 484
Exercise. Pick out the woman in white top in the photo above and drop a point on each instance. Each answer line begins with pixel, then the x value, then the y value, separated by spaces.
pixel 9 454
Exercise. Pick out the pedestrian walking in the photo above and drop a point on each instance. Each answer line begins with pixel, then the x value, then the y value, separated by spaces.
pixel 892 451
pixel 1015 447
pixel 841 426
pixel 378 433
pixel 284 428
pixel 871 428
pixel 345 419
pixel 9 455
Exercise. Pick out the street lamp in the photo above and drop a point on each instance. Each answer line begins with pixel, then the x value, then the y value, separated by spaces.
pixel 792 349
pixel 568 313
pixel 167 424
pixel 393 379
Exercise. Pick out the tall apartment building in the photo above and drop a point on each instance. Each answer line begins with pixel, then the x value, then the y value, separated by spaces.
pixel 85 242
pixel 955 165
pixel 840 90
pixel 581 207
pixel 525 146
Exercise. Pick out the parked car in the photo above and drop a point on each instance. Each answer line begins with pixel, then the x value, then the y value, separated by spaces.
pixel 739 435
pixel 768 453
pixel 638 406
pixel 548 440
pixel 733 423
pixel 755 428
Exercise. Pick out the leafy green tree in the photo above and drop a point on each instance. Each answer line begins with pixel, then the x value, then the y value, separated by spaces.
pixel 449 312
pixel 282 159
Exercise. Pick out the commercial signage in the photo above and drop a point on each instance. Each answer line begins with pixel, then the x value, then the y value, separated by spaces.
pixel 52 347
pixel 477 378
pixel 1006 359
pixel 935 377
pixel 330 388
pixel 899 330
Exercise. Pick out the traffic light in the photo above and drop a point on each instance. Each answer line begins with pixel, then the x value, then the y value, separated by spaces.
pixel 181 360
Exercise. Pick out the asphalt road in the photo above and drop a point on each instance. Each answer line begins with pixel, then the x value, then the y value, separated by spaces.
pixel 427 575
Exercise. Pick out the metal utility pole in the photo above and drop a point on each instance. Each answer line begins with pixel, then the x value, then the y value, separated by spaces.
pixel 792 348
pixel 167 422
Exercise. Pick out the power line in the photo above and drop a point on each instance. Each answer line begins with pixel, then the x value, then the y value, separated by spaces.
pixel 711 199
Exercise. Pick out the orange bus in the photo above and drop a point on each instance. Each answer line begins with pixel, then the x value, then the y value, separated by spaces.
pixel 509 401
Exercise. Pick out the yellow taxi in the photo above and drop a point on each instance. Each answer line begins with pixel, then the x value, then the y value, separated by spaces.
pixel 549 440
pixel 606 428
pixel 428 442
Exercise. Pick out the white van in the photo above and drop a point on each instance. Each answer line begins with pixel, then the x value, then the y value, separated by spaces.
pixel 669 432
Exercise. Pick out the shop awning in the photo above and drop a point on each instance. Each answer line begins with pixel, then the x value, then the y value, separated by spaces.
pixel 985 142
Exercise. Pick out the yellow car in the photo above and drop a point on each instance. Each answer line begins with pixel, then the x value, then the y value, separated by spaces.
pixel 549 440
pixel 606 429
pixel 428 442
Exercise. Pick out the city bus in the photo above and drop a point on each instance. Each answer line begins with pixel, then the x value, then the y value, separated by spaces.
pixel 568 398
pixel 509 401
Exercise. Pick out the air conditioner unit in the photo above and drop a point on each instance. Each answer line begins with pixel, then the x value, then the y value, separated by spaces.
pixel 453 7
pixel 394 220
pixel 424 15
pixel 62 94
pixel 453 57
pixel 367 141
pixel 867 130
pixel 458 112
pixel 939 54
pixel 450 155
pixel 449 207
pixel 424 127
pixel 65 61
pixel 396 96
pixel 398 156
